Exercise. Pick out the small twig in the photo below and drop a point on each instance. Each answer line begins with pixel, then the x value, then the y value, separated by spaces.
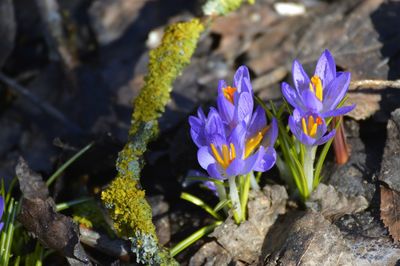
pixel 44 106
pixel 374 84
pixel 101 242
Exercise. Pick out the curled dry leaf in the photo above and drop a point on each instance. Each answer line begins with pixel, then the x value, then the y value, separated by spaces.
pixel 39 216
pixel 390 211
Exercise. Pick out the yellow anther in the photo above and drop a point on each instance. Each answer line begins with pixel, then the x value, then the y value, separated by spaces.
pixel 310 128
pixel 310 123
pixel 233 151
pixel 216 155
pixel 254 142
pixel 313 130
pixel 316 87
pixel 225 154
pixel 304 125
pixel 229 93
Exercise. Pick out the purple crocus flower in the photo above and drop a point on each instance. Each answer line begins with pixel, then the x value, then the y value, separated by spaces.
pixel 235 104
pixel 231 153
pixel 309 128
pixel 323 92
pixel 1 211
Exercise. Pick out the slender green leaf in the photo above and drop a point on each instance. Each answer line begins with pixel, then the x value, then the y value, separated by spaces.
pixel 68 163
pixel 193 238
pixel 196 201
pixel 201 178
pixel 221 204
pixel 321 159
pixel 65 205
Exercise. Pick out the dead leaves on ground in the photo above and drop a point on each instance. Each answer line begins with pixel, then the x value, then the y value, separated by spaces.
pixel 390 211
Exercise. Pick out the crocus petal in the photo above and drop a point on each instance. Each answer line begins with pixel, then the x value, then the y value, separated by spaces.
pixel 258 122
pixel 300 78
pixel 311 102
pixel 241 73
pixel 214 124
pixel 1 206
pixel 326 68
pixel 197 138
pixel 1 226
pixel 294 127
pixel 336 90
pixel 226 109
pixel 340 111
pixel 235 167
pixel 292 96
pixel 221 85
pixel 204 157
pixel 197 131
pixel 253 160
pixel 306 140
pixel 214 170
pixel 271 135
pixel 244 107
pixel 237 138
pixel 211 186
pixel 246 86
pixel 267 161
pixel 201 114
pixel 326 138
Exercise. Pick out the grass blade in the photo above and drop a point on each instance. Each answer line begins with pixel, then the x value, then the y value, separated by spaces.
pixel 68 163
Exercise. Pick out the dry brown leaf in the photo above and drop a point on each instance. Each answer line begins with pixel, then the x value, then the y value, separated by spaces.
pixel 366 104
pixel 390 211
pixel 39 216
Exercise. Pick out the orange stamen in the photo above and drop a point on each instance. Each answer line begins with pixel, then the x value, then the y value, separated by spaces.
pixel 227 156
pixel 310 128
pixel 229 93
pixel 254 142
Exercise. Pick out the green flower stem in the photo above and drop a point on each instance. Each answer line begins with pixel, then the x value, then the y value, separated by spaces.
pixel 221 194
pixel 244 196
pixel 308 166
pixel 234 196
pixel 253 181
pixel 193 238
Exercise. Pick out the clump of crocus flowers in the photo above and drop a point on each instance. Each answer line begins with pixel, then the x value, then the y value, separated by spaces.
pixel 234 140
pixel 316 101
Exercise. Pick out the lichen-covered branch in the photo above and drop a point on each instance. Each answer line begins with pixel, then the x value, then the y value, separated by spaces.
pixel 166 63
pixel 124 198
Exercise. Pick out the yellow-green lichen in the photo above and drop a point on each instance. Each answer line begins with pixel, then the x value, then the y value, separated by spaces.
pixel 128 207
pixel 90 215
pixel 82 220
pixel 166 62
pixel 222 7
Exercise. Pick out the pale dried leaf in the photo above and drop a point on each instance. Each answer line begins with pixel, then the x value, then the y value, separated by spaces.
pixel 390 211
